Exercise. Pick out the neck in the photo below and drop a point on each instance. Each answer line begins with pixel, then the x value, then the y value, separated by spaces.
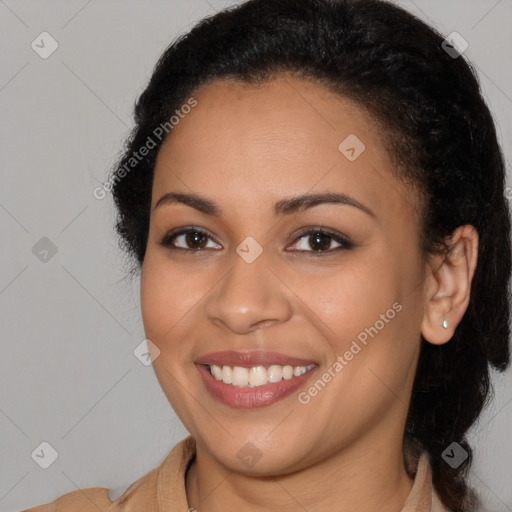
pixel 368 476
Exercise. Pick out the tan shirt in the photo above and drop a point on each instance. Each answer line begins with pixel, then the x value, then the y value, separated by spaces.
pixel 163 490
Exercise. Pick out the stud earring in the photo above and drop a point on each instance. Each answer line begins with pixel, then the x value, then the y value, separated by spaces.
pixel 445 324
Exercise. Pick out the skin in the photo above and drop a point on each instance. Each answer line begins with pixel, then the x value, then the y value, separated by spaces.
pixel 246 147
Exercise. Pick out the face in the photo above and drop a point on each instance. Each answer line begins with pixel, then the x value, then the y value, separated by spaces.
pixel 330 285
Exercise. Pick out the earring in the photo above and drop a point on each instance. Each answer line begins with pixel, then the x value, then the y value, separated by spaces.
pixel 445 324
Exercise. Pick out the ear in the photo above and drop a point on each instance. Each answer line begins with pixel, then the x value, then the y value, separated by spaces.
pixel 448 285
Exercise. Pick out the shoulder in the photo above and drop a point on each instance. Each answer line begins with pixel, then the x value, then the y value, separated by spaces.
pixel 164 484
pixel 98 499
pixel 93 499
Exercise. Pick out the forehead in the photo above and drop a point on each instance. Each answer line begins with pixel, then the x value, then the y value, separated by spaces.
pixel 288 136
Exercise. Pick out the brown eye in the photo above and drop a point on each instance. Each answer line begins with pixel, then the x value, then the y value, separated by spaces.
pixel 320 240
pixel 191 239
pixel 195 239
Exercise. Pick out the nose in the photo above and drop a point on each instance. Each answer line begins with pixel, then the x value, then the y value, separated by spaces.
pixel 249 297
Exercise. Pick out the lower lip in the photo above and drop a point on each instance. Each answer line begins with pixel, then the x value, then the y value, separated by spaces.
pixel 249 398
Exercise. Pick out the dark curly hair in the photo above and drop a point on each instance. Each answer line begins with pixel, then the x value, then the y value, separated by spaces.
pixel 441 137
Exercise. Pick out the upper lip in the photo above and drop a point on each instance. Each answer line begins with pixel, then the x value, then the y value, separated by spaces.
pixel 249 359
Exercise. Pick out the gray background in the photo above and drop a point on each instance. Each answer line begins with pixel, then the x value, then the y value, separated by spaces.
pixel 68 375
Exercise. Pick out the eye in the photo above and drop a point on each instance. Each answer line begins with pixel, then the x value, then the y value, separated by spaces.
pixel 194 239
pixel 320 240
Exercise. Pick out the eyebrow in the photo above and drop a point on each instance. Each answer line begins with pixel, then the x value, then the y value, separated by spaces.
pixel 285 206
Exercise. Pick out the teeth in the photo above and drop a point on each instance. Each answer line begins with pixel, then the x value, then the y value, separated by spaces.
pixel 226 375
pixel 240 376
pixel 216 371
pixel 275 373
pixel 257 375
pixel 287 372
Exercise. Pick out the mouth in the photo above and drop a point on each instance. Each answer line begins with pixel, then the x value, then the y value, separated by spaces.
pixel 244 380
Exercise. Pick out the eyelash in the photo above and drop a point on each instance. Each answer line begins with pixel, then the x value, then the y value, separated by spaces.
pixel 345 243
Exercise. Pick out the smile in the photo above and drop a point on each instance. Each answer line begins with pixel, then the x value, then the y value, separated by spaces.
pixel 242 393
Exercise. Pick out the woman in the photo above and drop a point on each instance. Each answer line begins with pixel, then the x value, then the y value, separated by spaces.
pixel 323 240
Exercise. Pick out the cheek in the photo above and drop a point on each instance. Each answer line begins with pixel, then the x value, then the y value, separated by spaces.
pixel 167 299
pixel 367 318
pixel 167 307
pixel 350 299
